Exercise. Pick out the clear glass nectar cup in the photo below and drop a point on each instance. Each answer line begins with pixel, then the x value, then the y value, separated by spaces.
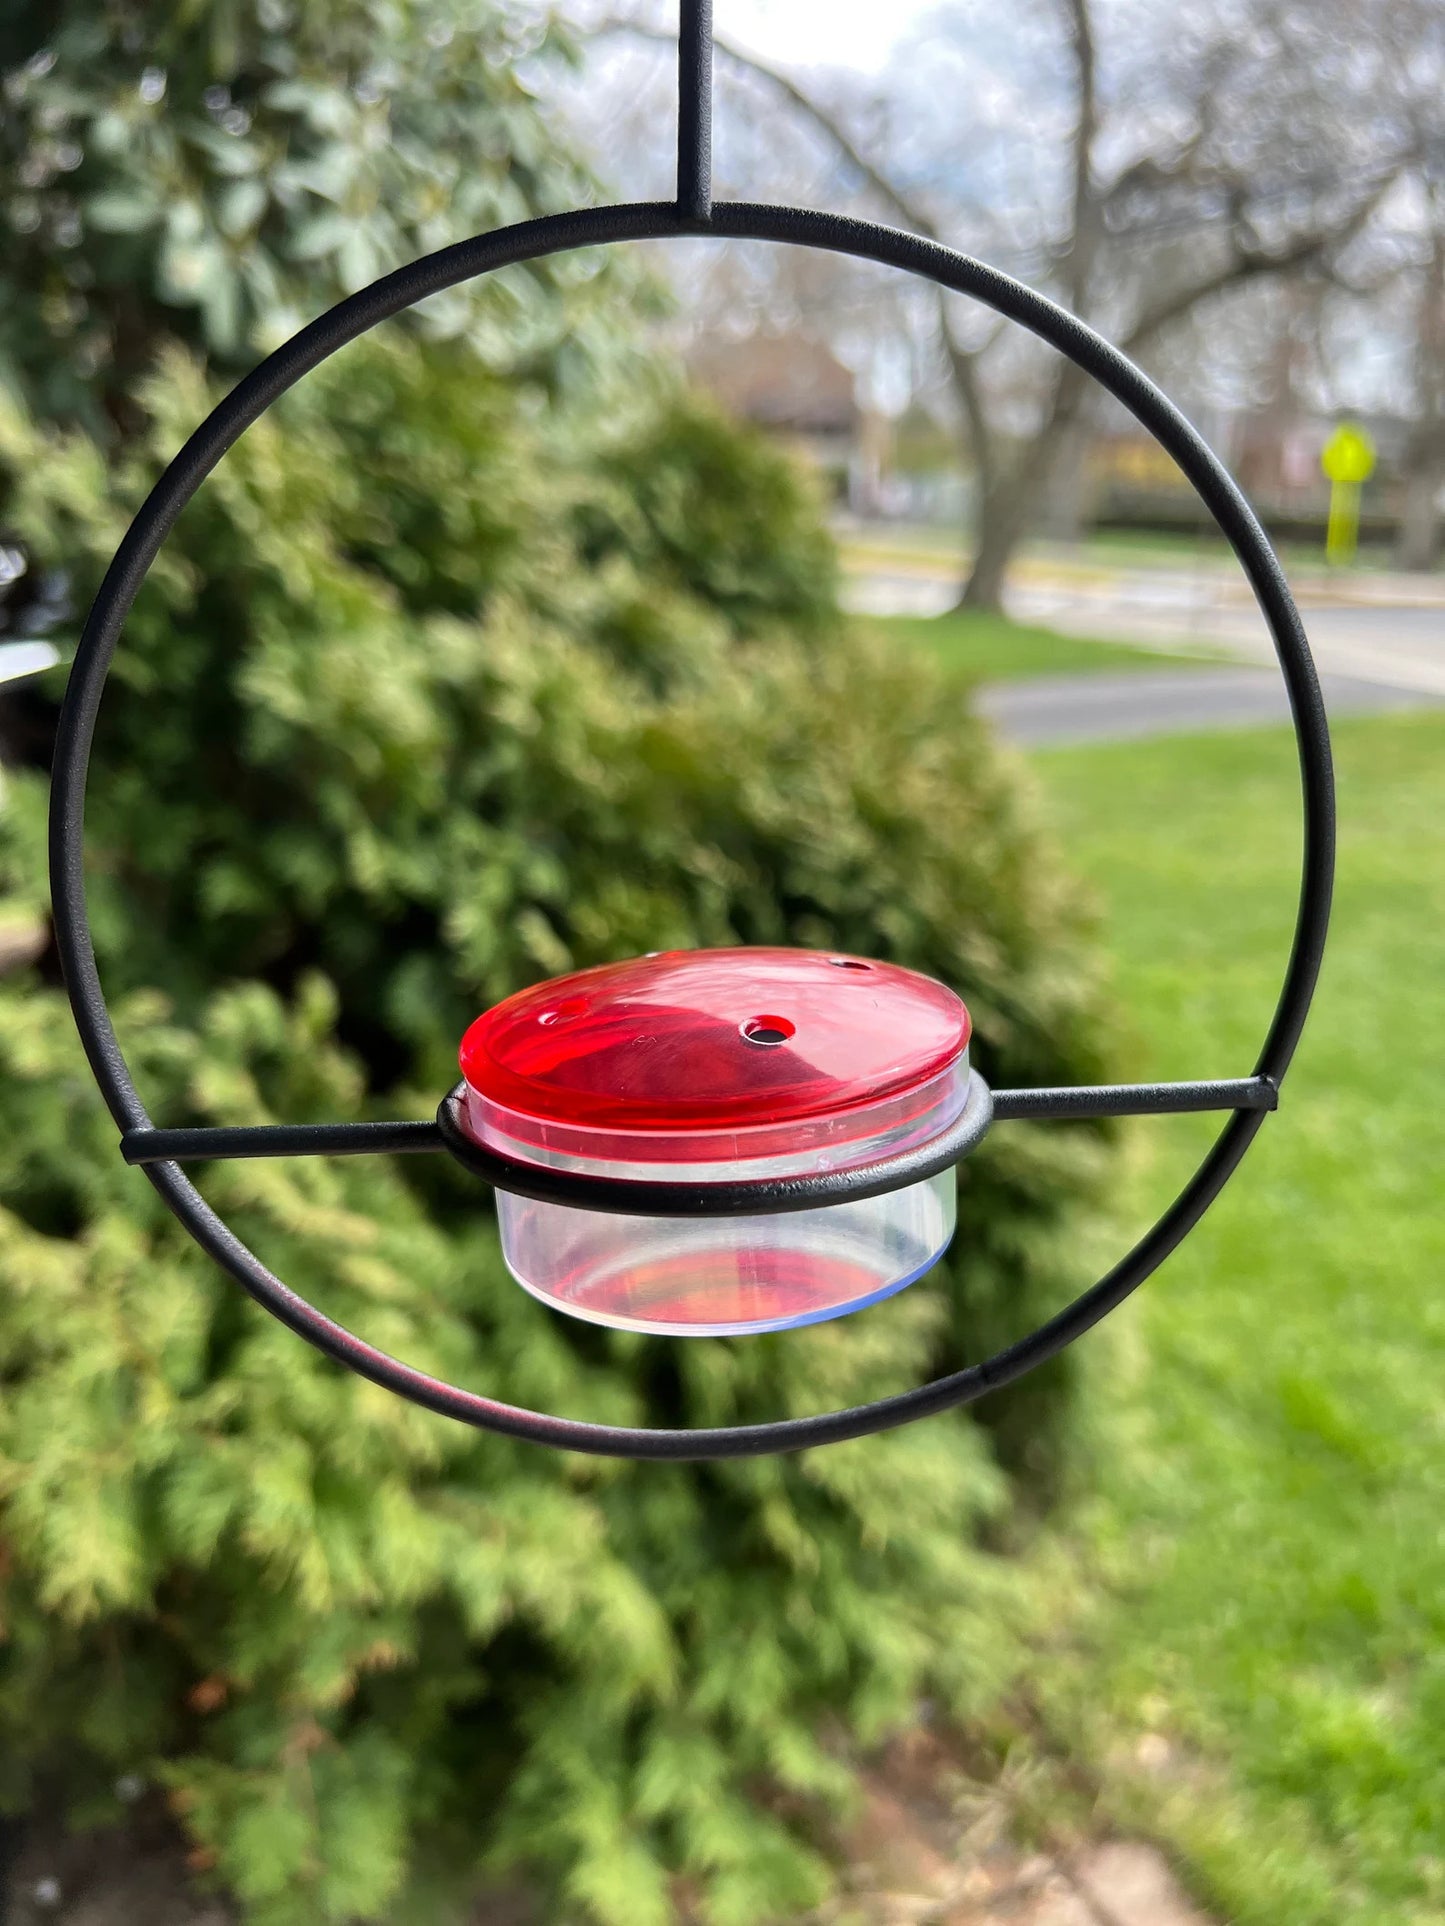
pixel 716 1066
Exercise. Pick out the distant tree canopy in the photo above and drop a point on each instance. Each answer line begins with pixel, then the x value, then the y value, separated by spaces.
pixel 457 673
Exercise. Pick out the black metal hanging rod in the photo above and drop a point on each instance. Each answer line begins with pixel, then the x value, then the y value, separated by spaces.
pixel 694 112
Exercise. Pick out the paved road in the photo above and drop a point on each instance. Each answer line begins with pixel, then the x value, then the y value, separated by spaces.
pixel 1378 641
pixel 1155 702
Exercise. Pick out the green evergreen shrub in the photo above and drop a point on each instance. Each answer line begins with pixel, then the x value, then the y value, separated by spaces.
pixel 213 174
pixel 379 748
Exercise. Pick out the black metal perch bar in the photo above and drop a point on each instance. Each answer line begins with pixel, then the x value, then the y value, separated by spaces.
pixel 1249 1100
pixel 152 1146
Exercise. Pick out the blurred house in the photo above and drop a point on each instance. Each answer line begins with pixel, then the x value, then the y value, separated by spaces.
pixel 794 387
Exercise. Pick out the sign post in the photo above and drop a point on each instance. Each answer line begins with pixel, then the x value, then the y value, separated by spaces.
pixel 1348 459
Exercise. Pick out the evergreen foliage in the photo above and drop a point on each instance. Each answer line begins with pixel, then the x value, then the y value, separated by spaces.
pixel 445 684
pixel 217 173
pixel 328 1622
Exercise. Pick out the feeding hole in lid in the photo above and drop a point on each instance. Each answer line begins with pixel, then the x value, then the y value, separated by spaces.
pixel 848 963
pixel 769 1030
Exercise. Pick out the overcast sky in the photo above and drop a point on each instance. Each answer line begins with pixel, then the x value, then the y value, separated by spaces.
pixel 850 33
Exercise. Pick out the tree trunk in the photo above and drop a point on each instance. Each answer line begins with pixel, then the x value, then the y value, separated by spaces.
pixel 1425 453
pixel 1001 521
pixel 1062 519
pixel 1420 521
pixel 1006 508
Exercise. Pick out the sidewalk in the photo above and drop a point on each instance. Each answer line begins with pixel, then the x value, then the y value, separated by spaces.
pixel 1375 627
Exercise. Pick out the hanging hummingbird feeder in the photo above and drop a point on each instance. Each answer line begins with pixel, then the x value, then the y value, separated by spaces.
pixel 719 1141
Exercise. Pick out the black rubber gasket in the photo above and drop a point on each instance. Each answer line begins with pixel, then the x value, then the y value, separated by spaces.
pixel 746 1197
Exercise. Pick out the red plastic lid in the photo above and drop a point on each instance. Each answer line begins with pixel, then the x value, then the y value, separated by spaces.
pixel 691 1046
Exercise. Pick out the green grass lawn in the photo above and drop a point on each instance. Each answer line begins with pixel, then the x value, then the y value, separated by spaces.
pixel 990 648
pixel 1256 1672
pixel 1191 548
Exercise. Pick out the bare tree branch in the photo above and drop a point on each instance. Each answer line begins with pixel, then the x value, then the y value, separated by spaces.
pixel 827 123
pixel 963 368
pixel 962 362
pixel 1087 222
pixel 1249 263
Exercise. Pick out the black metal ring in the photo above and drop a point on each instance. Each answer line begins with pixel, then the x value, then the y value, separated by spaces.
pixel 745 1197
pixel 531 240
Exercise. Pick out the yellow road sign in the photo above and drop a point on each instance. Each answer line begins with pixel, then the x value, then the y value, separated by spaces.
pixel 1347 458
pixel 1348 455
